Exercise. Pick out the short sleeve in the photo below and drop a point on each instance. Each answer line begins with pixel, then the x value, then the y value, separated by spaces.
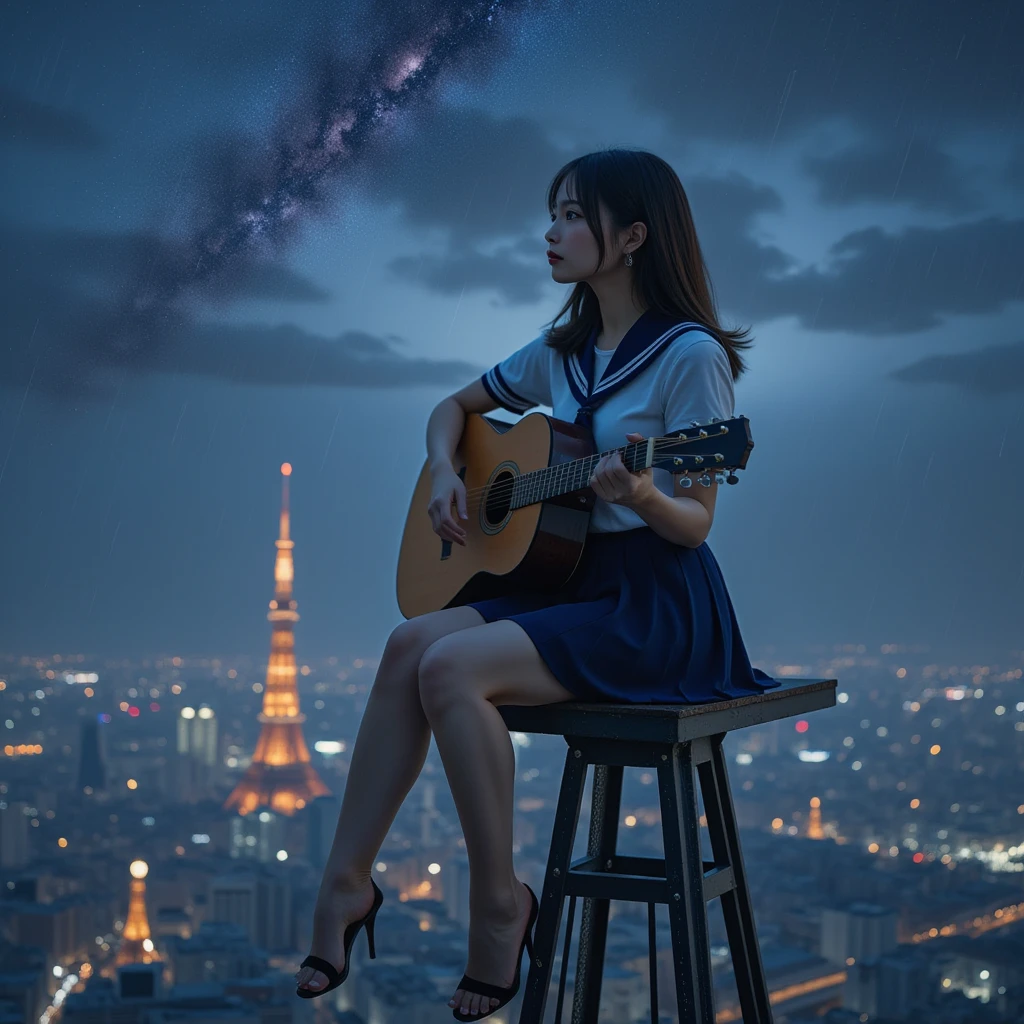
pixel 522 380
pixel 697 385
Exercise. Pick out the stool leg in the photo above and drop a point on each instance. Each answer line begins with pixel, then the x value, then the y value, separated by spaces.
pixel 736 907
pixel 605 802
pixel 563 833
pixel 684 873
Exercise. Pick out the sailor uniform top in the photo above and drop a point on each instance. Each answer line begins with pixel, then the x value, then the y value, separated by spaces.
pixel 662 376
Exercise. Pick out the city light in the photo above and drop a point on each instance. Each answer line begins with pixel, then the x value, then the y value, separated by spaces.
pixel 328 746
pixel 132 784
pixel 934 748
pixel 282 854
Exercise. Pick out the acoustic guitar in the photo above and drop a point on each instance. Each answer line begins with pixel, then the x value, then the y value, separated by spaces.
pixel 529 504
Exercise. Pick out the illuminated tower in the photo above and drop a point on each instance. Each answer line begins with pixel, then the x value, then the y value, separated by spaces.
pixel 814 830
pixel 280 776
pixel 136 945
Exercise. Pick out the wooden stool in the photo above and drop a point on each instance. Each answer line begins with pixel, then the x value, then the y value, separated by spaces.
pixel 675 739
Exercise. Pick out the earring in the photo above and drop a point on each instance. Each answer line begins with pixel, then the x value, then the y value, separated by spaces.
pixel 629 259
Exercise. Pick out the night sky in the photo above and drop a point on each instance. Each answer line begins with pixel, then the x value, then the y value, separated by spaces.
pixel 235 235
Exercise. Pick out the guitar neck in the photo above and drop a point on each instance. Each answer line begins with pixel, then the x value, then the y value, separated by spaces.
pixel 566 477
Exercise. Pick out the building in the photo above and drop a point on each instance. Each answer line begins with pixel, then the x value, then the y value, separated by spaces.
pixel 13 834
pixel 219 951
pixel 857 931
pixel 258 901
pixel 92 767
pixel 197 734
pixel 280 776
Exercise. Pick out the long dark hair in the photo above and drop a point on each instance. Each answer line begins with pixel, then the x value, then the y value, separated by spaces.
pixel 669 273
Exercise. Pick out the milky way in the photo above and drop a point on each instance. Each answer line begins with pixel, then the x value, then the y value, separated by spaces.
pixel 251 201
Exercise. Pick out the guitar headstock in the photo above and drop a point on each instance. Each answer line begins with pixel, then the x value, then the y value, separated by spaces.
pixel 713 447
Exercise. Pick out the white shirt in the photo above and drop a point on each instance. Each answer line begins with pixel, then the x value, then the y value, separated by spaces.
pixel 690 379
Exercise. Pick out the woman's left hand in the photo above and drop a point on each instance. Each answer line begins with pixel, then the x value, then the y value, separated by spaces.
pixel 614 483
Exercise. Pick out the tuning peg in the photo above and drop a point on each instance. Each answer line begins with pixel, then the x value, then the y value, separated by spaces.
pixel 732 478
pixel 719 478
pixel 685 481
pixel 704 480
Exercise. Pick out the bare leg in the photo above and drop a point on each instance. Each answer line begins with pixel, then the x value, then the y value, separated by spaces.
pixel 462 679
pixel 391 746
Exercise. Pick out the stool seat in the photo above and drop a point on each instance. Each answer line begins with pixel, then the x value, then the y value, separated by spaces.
pixel 680 741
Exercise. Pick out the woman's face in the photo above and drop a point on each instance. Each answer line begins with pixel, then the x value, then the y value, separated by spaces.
pixel 570 237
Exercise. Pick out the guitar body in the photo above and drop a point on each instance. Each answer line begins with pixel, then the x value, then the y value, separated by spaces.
pixel 536 547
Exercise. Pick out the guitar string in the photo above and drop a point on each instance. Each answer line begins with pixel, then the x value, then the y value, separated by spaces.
pixel 496 489
pixel 670 442
pixel 474 503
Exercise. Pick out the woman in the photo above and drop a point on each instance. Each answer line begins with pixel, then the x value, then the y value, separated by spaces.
pixel 646 616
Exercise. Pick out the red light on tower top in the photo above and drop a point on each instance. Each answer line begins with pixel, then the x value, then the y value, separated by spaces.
pixel 286 469
pixel 801 726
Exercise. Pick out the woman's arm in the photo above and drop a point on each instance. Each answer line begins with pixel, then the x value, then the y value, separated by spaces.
pixel 448 420
pixel 444 431
pixel 681 519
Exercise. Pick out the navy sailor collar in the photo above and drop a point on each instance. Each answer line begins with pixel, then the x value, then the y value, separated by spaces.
pixel 643 342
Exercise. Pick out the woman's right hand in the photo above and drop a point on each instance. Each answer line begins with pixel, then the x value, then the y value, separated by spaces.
pixel 447 489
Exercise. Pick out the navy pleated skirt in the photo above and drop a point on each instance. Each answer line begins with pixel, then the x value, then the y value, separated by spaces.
pixel 641 621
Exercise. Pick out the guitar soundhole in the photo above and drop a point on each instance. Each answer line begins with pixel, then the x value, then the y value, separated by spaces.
pixel 497 507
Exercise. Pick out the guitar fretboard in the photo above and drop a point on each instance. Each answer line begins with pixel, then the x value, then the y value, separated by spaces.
pixel 566 477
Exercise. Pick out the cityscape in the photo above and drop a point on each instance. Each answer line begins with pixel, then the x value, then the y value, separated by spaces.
pixel 163 823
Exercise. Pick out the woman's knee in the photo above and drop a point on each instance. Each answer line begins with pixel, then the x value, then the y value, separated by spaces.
pixel 438 673
pixel 408 641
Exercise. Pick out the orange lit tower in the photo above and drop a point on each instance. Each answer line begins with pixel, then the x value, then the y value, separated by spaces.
pixel 136 944
pixel 280 776
pixel 814 829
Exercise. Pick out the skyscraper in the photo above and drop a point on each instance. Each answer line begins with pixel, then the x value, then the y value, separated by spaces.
pixel 197 734
pixel 13 834
pixel 280 776
pixel 92 771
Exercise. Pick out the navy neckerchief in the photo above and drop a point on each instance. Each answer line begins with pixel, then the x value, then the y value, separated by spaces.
pixel 643 342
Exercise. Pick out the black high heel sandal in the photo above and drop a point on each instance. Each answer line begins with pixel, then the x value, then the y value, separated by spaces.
pixel 334 979
pixel 506 995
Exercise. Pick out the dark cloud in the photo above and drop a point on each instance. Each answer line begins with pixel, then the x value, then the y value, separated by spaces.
pixel 923 176
pixel 512 272
pixel 881 282
pixel 26 122
pixel 758 73
pixel 55 280
pixel 283 355
pixel 288 355
pixel 34 258
pixel 482 180
pixel 989 372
